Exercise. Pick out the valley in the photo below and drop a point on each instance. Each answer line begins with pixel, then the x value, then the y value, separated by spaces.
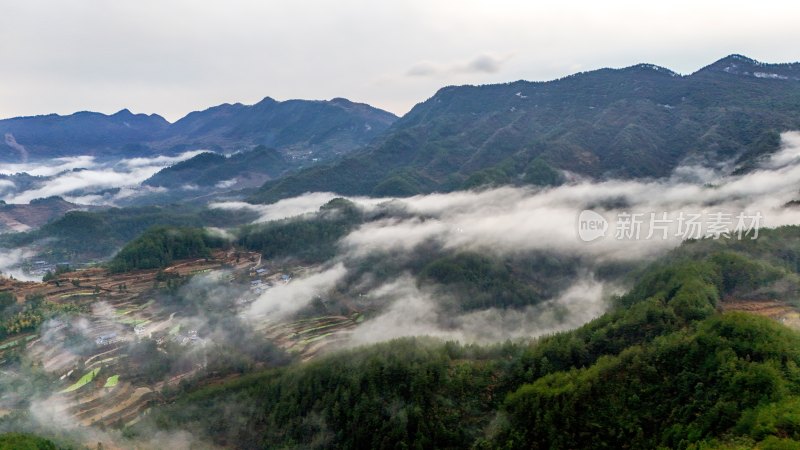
pixel 87 356
pixel 324 274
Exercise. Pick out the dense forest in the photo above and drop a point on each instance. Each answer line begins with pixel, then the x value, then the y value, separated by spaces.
pixel 663 368
pixel 81 235
pixel 19 441
pixel 208 169
pixel 311 238
pixel 158 247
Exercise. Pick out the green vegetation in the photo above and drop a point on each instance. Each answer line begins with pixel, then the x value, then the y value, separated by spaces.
pixel 358 400
pixel 111 381
pixel 222 345
pixel 310 239
pixel 16 318
pixel 679 389
pixel 663 368
pixel 83 381
pixel 16 342
pixel 466 280
pixel 158 247
pixel 481 282
pixel 82 235
pixel 634 122
pixel 540 173
pixel 60 270
pixel 7 300
pixel 19 441
pixel 208 169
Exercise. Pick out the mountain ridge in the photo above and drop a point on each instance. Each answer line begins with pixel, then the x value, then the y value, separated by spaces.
pixel 639 121
pixel 309 128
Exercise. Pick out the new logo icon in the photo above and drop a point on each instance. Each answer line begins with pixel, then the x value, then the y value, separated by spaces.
pixel 591 226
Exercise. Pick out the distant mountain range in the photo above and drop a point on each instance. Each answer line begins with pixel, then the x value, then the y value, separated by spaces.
pixel 640 121
pixel 300 129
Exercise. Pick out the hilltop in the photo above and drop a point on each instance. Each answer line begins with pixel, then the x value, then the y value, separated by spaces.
pixel 301 129
pixel 639 121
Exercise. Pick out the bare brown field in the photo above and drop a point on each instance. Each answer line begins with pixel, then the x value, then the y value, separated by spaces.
pixel 774 309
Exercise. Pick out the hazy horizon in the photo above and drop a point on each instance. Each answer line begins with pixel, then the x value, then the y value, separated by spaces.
pixel 171 58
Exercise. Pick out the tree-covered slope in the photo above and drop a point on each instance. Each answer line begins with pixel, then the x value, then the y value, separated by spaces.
pixel 311 238
pixel 664 368
pixel 211 169
pixel 640 121
pixel 82 235
pixel 19 441
pixel 158 247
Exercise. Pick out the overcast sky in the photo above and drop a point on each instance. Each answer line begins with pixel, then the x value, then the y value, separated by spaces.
pixel 174 56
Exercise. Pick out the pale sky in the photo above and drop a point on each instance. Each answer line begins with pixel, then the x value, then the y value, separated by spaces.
pixel 174 56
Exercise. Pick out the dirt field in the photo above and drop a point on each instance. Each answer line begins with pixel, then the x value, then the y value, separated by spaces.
pixel 776 310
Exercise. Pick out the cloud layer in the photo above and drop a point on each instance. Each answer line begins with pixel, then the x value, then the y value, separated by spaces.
pixel 512 221
pixel 77 178
pixel 481 64
pixel 295 206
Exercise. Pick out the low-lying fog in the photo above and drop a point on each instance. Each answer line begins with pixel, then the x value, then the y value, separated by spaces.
pixel 501 222
pixel 81 179
pixel 510 221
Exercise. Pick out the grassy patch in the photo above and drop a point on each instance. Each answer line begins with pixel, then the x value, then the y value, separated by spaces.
pixel 77 294
pixel 133 321
pixel 85 379
pixel 16 341
pixel 111 381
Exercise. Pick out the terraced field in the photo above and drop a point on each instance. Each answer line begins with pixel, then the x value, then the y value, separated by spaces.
pixel 91 380
pixel 307 337
pixel 93 384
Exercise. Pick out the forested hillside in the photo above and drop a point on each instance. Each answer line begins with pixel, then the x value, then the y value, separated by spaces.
pixel 663 368
pixel 159 246
pixel 18 441
pixel 81 235
pixel 210 169
pixel 639 121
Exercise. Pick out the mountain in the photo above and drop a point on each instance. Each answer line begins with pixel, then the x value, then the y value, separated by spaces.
pixel 301 129
pixel 639 121
pixel 675 363
pixel 209 170
pixel 746 67
pixel 79 236
pixel 82 133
